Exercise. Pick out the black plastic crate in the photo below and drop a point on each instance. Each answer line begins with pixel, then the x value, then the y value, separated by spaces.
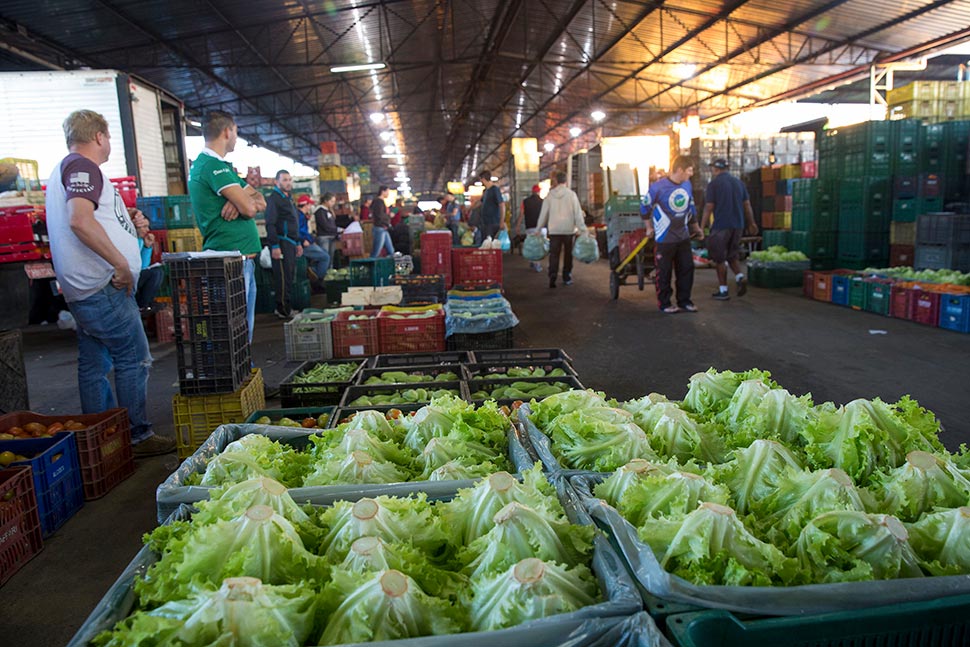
pixel 421 288
pixel 354 392
pixel 431 370
pixel 520 355
pixel 421 359
pixel 212 357
pixel 491 383
pixel 943 229
pixel 492 370
pixel 295 394
pixel 343 413
pixel 206 286
pixel 499 340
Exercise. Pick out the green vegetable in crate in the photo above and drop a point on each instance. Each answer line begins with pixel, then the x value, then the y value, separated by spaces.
pixel 354 467
pixel 243 612
pixel 600 439
pixel 940 540
pixel 777 254
pixel 393 520
pixel 528 371
pixel 921 484
pixel 254 456
pixel 522 391
pixel 658 495
pixel 326 373
pixel 674 433
pixel 399 377
pixel 373 555
pixel 407 396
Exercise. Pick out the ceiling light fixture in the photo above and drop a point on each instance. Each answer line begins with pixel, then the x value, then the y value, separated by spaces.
pixel 377 117
pixel 397 156
pixel 386 135
pixel 575 131
pixel 390 148
pixel 494 179
pixel 362 67
pixel 598 115
pixel 685 70
pixel 549 147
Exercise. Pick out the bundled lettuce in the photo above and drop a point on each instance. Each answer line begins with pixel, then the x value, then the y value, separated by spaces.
pixel 395 521
pixel 846 545
pixel 672 495
pixel 356 467
pixel 756 471
pixel 530 589
pixel 452 417
pixel 384 605
pixel 600 439
pixel 673 433
pixel 552 407
pixel 921 484
pixel 710 392
pixel 757 411
pixel 866 435
pixel 258 543
pixel 243 612
pixel 712 546
pixel 374 555
pixel 254 456
pixel 940 540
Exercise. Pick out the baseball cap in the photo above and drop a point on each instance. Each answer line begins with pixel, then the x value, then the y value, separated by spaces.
pixel 719 163
pixel 536 188
pixel 304 199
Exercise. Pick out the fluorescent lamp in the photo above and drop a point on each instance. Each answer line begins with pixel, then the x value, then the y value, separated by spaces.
pixel 493 179
pixel 575 131
pixel 392 156
pixel 390 148
pixel 337 69
pixel 386 135
pixel 549 146
pixel 197 124
pixel 598 115
pixel 377 117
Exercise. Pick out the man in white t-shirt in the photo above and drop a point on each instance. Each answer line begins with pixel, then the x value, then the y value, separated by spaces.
pixel 94 247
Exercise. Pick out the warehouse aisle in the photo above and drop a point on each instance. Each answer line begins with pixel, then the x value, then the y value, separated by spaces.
pixel 626 348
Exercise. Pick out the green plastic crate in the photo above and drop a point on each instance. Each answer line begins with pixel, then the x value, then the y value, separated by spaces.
pixel 372 272
pixel 335 289
pixel 774 277
pixel 878 297
pixel 858 290
pixel 178 212
pixel 772 237
pixel 870 247
pixel 943 622
pixel 814 244
pixel 296 414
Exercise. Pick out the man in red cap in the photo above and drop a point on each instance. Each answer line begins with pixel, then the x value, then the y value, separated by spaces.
pixel 529 216
pixel 317 257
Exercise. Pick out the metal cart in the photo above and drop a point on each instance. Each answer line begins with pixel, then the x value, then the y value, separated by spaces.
pixel 622 215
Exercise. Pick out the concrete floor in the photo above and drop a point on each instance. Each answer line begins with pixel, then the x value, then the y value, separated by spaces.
pixel 625 347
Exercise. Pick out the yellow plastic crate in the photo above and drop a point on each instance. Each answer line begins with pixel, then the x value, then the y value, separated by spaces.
pixel 183 240
pixel 902 233
pixel 331 173
pixel 783 220
pixel 915 91
pixel 196 417
pixel 915 109
pixel 790 172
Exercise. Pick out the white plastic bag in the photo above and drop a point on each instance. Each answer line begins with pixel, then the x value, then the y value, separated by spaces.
pixel 535 247
pixel 585 249
pixel 266 259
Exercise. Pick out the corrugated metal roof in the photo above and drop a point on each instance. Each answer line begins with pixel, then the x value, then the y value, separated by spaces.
pixel 464 76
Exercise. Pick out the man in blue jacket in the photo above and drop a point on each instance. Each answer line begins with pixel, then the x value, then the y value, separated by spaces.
pixel 316 256
pixel 671 219
pixel 283 238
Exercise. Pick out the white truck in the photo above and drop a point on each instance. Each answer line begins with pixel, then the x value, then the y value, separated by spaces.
pixel 147 124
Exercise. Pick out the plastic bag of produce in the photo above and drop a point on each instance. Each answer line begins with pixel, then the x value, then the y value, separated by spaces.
pixel 535 247
pixel 504 241
pixel 585 250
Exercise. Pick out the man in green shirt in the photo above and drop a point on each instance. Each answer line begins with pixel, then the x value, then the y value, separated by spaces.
pixel 224 204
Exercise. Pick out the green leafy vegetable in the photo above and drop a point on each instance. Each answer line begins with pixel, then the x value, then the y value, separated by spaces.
pixel 940 539
pixel 923 482
pixel 600 439
pixel 756 471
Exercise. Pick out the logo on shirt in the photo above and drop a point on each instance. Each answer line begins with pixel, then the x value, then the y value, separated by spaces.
pixel 219 171
pixel 80 182
pixel 678 200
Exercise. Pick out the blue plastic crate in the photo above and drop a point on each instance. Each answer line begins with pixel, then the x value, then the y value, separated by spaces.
pixel 955 312
pixel 840 289
pixel 155 210
pixel 57 476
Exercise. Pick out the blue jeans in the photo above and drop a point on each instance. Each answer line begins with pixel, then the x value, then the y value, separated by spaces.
pixel 382 238
pixel 249 276
pixel 327 243
pixel 110 335
pixel 149 282
pixel 318 258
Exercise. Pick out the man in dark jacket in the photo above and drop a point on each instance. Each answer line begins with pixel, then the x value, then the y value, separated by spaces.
pixel 531 207
pixel 282 236
pixel 382 223
pixel 492 219
pixel 326 221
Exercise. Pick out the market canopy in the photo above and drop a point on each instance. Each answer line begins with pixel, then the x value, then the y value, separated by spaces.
pixel 463 77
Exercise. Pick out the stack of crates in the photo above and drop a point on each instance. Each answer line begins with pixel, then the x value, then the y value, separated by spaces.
pixel 943 242
pixel 172 220
pixel 777 200
pixel 216 383
pixel 436 254
pixel 932 101
pixel 814 222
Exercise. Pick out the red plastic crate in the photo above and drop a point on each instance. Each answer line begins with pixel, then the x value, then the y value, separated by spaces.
pixel 809 169
pixel 20 537
pixel 328 148
pixel 822 287
pixel 17 235
pixel 353 244
pixel 472 266
pixel 808 284
pixel 629 241
pixel 901 255
pixel 436 254
pixel 355 338
pixel 926 307
pixel 901 306
pixel 104 447
pixel 165 325
pixel 128 189
pixel 412 335
pixel 161 244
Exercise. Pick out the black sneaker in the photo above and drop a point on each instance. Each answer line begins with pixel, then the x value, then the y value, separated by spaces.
pixel 721 296
pixel 281 315
pixel 552 284
pixel 153 446
pixel 742 286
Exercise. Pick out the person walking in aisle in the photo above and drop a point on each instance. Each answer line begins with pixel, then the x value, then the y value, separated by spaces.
pixel 316 256
pixel 492 220
pixel 326 221
pixel 95 252
pixel 670 218
pixel 727 200
pixel 283 238
pixel 382 223
pixel 562 215
pixel 529 217
pixel 225 206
